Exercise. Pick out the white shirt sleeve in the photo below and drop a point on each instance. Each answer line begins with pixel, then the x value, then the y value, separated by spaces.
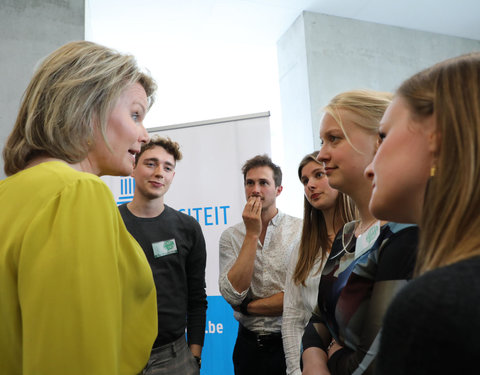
pixel 295 317
pixel 227 257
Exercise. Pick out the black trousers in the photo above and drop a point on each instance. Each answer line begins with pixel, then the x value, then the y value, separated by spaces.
pixel 258 354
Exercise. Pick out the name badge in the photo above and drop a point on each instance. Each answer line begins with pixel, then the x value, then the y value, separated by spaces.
pixel 162 248
pixel 366 240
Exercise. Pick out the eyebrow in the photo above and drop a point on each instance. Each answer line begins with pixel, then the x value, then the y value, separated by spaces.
pixel 141 105
pixel 156 160
pixel 333 130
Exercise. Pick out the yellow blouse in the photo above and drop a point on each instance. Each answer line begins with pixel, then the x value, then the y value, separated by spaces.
pixel 76 291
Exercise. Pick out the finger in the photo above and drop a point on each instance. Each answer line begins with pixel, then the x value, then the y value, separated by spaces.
pixel 257 206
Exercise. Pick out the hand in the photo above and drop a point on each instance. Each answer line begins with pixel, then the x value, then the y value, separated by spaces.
pixel 252 215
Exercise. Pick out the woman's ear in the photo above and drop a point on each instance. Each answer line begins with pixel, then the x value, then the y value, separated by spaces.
pixel 433 135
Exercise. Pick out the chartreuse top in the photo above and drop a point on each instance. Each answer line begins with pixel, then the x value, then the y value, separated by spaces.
pixel 76 291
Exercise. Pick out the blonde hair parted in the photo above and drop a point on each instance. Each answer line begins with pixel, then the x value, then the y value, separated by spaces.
pixel 366 108
pixel 450 92
pixel 314 242
pixel 73 90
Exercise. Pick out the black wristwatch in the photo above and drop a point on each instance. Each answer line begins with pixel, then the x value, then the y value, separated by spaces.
pixel 199 361
pixel 244 306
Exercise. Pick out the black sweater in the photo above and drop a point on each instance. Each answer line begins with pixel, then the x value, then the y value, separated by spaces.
pixel 175 248
pixel 433 325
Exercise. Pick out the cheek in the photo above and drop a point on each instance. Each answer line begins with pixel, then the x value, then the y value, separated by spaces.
pixel 123 130
pixel 332 193
pixel 323 184
pixel 380 161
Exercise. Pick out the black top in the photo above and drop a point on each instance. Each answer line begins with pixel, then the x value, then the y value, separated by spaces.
pixel 355 291
pixel 433 325
pixel 175 248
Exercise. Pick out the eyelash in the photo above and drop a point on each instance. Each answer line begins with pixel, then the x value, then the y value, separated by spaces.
pixel 317 175
pixel 381 137
pixel 330 138
pixel 333 138
pixel 153 165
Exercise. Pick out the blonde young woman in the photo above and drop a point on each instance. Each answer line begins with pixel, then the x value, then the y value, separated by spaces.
pixel 369 260
pixel 325 211
pixel 433 125
pixel 77 294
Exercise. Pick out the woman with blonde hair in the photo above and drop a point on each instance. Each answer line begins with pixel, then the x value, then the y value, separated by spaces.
pixel 369 259
pixel 325 211
pixel 433 124
pixel 77 294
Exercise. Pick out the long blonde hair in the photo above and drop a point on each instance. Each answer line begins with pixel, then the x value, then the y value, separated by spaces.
pixel 73 90
pixel 450 222
pixel 314 241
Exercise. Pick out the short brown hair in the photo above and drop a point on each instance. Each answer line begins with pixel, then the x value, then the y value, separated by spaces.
pixel 263 161
pixel 172 147
pixel 73 90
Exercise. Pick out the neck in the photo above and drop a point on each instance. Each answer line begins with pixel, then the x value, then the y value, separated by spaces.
pixel 362 200
pixel 361 196
pixel 82 166
pixel 332 227
pixel 268 215
pixel 86 166
pixel 143 207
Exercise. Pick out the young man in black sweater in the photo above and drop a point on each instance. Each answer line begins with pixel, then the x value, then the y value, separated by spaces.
pixel 175 248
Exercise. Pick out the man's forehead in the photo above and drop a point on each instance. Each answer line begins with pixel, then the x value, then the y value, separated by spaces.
pixel 158 153
pixel 257 173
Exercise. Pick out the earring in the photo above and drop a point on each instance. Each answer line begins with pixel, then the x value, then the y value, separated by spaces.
pixel 432 171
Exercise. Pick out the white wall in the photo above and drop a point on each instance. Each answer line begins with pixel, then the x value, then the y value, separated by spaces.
pixel 30 30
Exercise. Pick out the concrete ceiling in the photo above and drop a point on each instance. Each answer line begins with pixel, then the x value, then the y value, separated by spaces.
pixel 264 21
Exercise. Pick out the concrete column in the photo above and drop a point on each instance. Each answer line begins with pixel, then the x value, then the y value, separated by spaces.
pixel 30 30
pixel 320 56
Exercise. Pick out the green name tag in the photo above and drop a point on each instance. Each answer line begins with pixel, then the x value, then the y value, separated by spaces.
pixel 162 248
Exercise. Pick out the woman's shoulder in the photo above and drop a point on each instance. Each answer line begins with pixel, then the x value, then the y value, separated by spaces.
pixel 464 273
pixel 457 284
pixel 393 228
pixel 396 251
pixel 399 238
pixel 53 173
pixel 49 180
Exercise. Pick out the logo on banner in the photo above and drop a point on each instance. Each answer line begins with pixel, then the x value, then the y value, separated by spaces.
pixel 211 215
pixel 127 187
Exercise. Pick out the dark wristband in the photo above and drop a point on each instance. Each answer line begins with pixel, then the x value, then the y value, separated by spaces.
pixel 244 306
pixel 199 361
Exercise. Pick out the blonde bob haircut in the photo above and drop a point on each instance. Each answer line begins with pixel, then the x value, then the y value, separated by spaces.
pixel 74 89
pixel 450 222
pixel 365 108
